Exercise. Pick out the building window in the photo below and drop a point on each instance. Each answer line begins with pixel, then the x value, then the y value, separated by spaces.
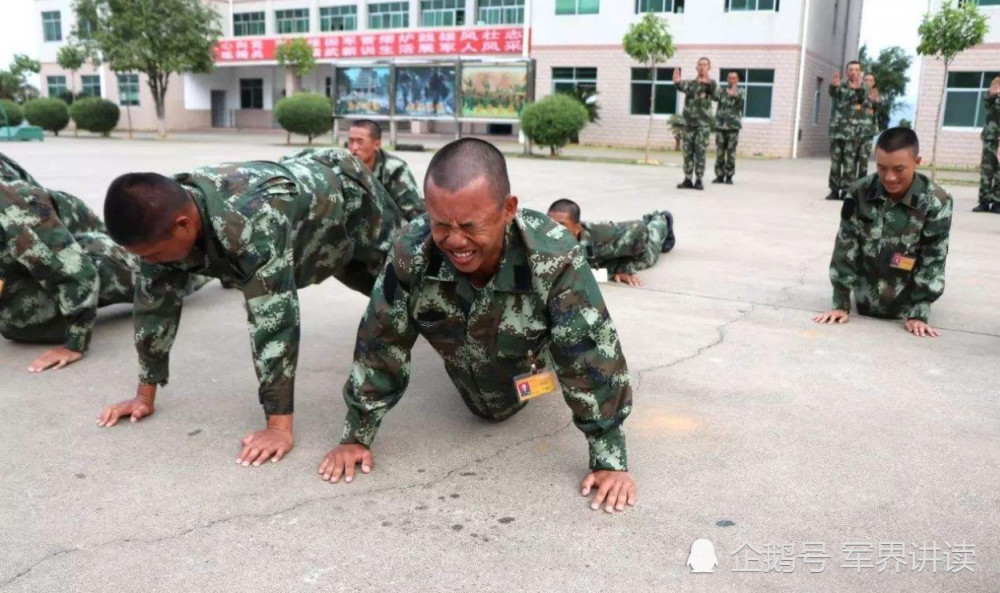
pixel 338 18
pixel 751 5
pixel 665 101
pixel 128 90
pixel 964 105
pixel 251 93
pixel 501 12
pixel 578 6
pixel 568 80
pixel 295 20
pixel 56 86
pixel 759 88
pixel 982 2
pixel 642 6
pixel 328 87
pixel 91 85
pixel 816 100
pixel 248 23
pixel 84 29
pixel 52 25
pixel 442 13
pixel 389 15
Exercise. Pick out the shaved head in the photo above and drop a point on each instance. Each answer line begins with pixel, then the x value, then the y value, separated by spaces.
pixel 462 162
pixel 140 207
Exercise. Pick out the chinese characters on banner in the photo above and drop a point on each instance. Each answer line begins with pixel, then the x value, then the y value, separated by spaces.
pixel 494 41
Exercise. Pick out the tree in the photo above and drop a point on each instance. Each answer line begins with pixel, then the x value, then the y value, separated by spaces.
pixel 48 113
pixel 155 37
pixel 905 123
pixel 890 69
pixel 71 58
pixel 297 56
pixel 649 42
pixel 14 80
pixel 944 35
pixel 309 114
pixel 554 120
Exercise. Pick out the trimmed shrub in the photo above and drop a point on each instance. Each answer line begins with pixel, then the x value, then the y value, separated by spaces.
pixel 95 114
pixel 554 120
pixel 14 114
pixel 308 114
pixel 50 114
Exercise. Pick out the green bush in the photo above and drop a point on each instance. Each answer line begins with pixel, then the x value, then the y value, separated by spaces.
pixel 14 114
pixel 554 120
pixel 95 114
pixel 308 114
pixel 50 114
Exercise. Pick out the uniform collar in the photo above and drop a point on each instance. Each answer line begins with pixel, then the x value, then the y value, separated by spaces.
pixel 380 158
pixel 513 273
pixel 911 199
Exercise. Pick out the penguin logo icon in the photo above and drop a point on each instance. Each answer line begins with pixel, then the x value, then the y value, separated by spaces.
pixel 702 557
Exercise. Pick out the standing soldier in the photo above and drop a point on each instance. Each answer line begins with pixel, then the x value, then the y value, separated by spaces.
pixel 728 122
pixel 846 109
pixel 989 173
pixel 506 298
pixel 697 121
pixel 893 240
pixel 266 228
pixel 365 142
pixel 624 248
pixel 872 106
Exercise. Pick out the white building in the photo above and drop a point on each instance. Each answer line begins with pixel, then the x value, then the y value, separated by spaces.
pixel 785 51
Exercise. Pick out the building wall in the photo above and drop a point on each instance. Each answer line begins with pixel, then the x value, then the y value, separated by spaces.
pixel 815 130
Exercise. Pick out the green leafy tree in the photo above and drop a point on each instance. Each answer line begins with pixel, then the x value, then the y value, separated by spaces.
pixel 944 35
pixel 71 58
pixel 905 123
pixel 649 42
pixel 13 113
pixel 889 69
pixel 308 114
pixel 155 37
pixel 95 114
pixel 297 56
pixel 47 113
pixel 554 120
pixel 14 80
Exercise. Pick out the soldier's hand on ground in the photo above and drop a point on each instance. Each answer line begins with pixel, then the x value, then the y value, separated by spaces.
pixel 340 461
pixel 274 442
pixel 630 279
pixel 135 409
pixel 55 359
pixel 832 316
pixel 920 329
pixel 615 490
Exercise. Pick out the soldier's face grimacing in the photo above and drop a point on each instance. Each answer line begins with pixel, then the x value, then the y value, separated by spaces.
pixel 362 146
pixel 896 170
pixel 176 245
pixel 469 226
pixel 703 67
pixel 854 72
pixel 567 221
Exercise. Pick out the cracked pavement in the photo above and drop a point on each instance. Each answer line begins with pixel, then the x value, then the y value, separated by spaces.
pixel 746 413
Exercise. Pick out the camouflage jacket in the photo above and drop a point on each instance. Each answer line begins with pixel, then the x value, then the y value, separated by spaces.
pixel 729 114
pixel 36 243
pixel 542 300
pixel 613 245
pixel 847 111
pixel 879 239
pixel 395 176
pixel 270 229
pixel 697 102
pixel 11 171
pixel 991 128
pixel 871 109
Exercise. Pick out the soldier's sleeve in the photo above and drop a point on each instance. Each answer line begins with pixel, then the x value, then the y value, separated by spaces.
pixel 406 194
pixel 846 253
pixel 741 99
pixel 627 246
pixel 156 314
pixel 928 275
pixel 684 86
pixel 835 91
pixel 381 369
pixel 39 241
pixel 589 362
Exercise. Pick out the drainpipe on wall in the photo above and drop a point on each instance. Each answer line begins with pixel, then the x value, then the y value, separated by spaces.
pixel 804 37
pixel 525 53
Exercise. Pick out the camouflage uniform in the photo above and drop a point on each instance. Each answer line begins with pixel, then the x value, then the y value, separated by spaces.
pixel 395 176
pixel 989 175
pixel 697 123
pixel 875 232
pixel 846 120
pixel 270 229
pixel 867 130
pixel 728 123
pixel 542 300
pixel 624 247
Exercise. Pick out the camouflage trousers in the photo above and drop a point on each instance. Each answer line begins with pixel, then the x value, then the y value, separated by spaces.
pixel 694 143
pixel 989 174
pixel 725 152
pixel 862 150
pixel 846 158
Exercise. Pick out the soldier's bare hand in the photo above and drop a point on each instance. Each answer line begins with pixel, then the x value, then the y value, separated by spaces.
pixel 614 490
pixel 340 461
pixel 835 79
pixel 677 75
pixel 630 279
pixel 920 329
pixel 274 442
pixel 135 409
pixel 55 359
pixel 995 86
pixel 832 316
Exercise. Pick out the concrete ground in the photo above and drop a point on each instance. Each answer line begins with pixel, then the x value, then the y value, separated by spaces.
pixel 753 428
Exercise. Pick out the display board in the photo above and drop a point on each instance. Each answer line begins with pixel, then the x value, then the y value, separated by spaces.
pixel 494 91
pixel 363 91
pixel 425 91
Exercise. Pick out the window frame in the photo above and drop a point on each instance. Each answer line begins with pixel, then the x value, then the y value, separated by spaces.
pixel 247 22
pixel 576 8
pixel 125 99
pixel 576 79
pixel 455 8
pixel 49 85
pixel 503 8
pixel 664 81
pixel 285 16
pixel 985 77
pixel 385 18
pixel 728 6
pixel 344 13
pixel 90 78
pixel 56 22
pixel 642 7
pixel 251 85
pixel 745 85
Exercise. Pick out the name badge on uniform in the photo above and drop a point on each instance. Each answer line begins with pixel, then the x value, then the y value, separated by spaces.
pixel 857 107
pixel 902 262
pixel 1 285
pixel 536 383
